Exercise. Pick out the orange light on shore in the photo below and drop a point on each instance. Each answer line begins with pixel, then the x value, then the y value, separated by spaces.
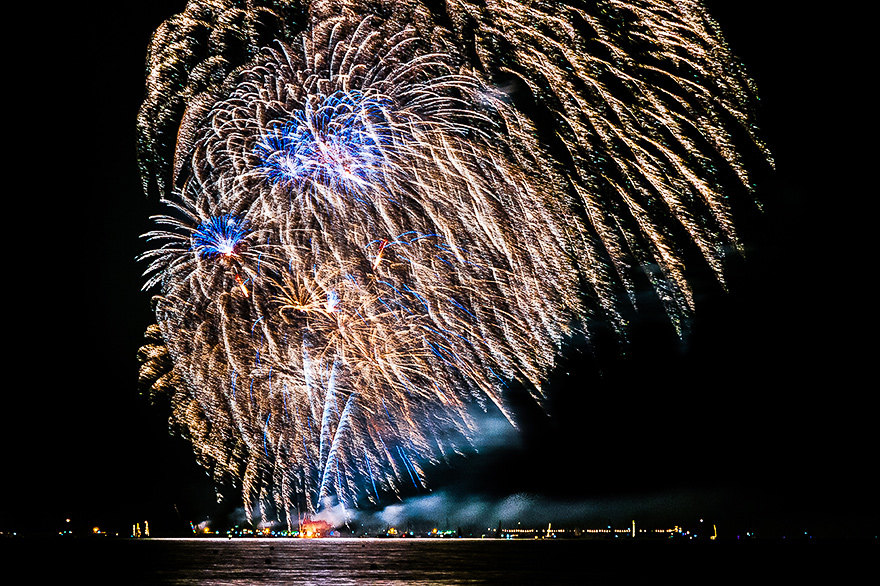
pixel 314 529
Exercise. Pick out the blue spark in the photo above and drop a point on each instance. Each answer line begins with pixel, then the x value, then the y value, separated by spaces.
pixel 265 433
pixel 219 236
pixel 343 143
pixel 410 468
pixel 462 307
pixel 370 473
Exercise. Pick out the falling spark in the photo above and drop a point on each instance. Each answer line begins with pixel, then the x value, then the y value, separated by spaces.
pixel 379 217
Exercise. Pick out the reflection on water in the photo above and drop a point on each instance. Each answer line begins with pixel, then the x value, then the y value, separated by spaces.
pixel 423 562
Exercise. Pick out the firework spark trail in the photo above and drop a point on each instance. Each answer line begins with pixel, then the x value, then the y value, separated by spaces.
pixel 379 216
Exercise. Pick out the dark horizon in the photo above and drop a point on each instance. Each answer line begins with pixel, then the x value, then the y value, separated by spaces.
pixel 758 417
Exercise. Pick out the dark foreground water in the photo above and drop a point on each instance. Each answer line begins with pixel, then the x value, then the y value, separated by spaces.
pixel 329 562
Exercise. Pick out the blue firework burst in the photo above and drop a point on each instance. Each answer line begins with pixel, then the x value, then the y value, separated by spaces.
pixel 219 236
pixel 341 142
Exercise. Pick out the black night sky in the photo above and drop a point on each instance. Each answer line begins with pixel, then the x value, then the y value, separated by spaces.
pixel 761 419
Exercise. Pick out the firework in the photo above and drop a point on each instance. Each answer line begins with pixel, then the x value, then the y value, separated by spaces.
pixel 379 216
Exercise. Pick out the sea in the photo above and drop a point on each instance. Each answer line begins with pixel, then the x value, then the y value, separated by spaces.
pixel 429 562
